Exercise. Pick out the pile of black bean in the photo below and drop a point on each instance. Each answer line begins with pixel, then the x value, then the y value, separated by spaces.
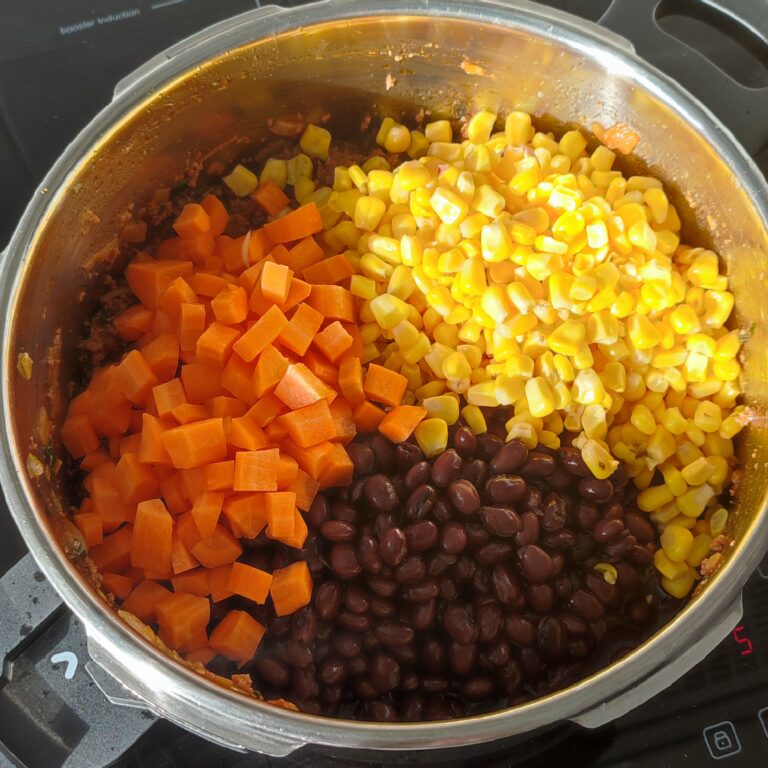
pixel 461 584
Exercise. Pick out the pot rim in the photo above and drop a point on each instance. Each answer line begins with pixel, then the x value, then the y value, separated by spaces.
pixel 172 689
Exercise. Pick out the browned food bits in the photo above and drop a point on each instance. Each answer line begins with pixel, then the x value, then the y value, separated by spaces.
pixel 461 584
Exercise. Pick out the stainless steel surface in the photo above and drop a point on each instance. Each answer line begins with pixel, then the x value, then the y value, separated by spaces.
pixel 333 58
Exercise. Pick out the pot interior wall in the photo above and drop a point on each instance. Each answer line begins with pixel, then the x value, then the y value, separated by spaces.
pixel 338 70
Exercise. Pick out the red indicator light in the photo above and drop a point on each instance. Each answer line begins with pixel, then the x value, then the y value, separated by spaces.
pixel 739 635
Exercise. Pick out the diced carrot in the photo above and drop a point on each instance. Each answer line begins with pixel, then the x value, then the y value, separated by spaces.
pixel 151 448
pixel 322 368
pixel 206 510
pixel 120 586
pixel 276 282
pixel 130 443
pixel 300 532
pixel 383 385
pixel 343 421
pixel 309 425
pixel 177 293
pixel 246 514
pixel 207 284
pixel 279 508
pixel 152 540
pixel 191 445
pixel 181 558
pixel 245 433
pixel 171 491
pixel 134 480
pixel 134 322
pixel 218 578
pixel 304 254
pixel 258 303
pixel 164 323
pixel 202 656
pixel 256 470
pixel 237 636
pixel 367 417
pixel 356 350
pixel 89 524
pixel 187 412
pixel 172 248
pixel 79 436
pixel 251 277
pixel 214 346
pixel 399 423
pixel 296 225
pixel 192 221
pixel 333 302
pixel 109 409
pixel 237 379
pixel 220 549
pixel 264 331
pixel 191 325
pixel 297 293
pixel 259 245
pixel 275 432
pixel 287 469
pixel 144 599
pixel 149 279
pixel 298 334
pixel 162 356
pixel 333 341
pixel 329 271
pixel 194 582
pixel 270 368
pixel 234 252
pixel 96 458
pixel 218 476
pixel 80 405
pixel 300 387
pixel 249 582
pixel 312 460
pixel 291 588
pixel 201 382
pixel 270 197
pixel 167 396
pixel 114 553
pixel 199 248
pixel 193 482
pixel 266 409
pixel 218 217
pixel 181 617
pixel 338 469
pixel 134 377
pixel 305 487
pixel 223 405
pixel 230 306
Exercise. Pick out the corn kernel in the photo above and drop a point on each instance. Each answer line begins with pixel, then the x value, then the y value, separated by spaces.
pixel 693 502
pixel 588 388
pixel 362 287
pixel 432 436
pixel 241 181
pixel 315 141
pixel 517 128
pixel 677 542
pixel 456 367
pixel 369 212
pixel 540 399
pixel 398 139
pixel 474 418
pixel 389 310
pixel 598 459
pixel 718 521
pixel 674 480
pixel 654 497
pixel 680 586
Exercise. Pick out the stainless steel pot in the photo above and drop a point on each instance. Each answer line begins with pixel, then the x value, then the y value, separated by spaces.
pixel 333 58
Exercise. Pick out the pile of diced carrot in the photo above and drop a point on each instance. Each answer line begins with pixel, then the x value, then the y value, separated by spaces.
pixel 228 414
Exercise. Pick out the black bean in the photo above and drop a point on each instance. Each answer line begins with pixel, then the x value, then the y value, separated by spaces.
pixel 279 626
pixel 464 497
pixel 274 672
pixel 356 599
pixel 551 638
pixel 540 598
pixel 354 622
pixel 417 475
pixel 327 600
pixel 555 512
pixel 598 491
pixel 438 563
pixel 475 471
pixel 434 684
pixel 598 629
pixel 365 689
pixel 614 510
pixel 586 606
pixel 394 633
pixel 506 584
pixel 639 612
pixel 530 663
pixel 344 562
pixel 393 546
pixel 639 527
pixel 344 511
pixel 503 490
pixel 433 656
pixel 508 458
pixel 640 556
pixel 421 592
pixel 319 511
pixel 412 707
pixel 420 502
pixel 332 671
pixel 337 530
pixel 481 582
pixel 587 516
pixel 608 594
pixel 562 539
pixel 490 621
pixel 448 588
pixel 298 654
pixel 533 498
pixel 478 687
pixel 510 677
pixel 357 666
pixel 381 493
pixel 384 672
pixel 535 563
pixel 538 464
pixel 495 553
pixel 407 455
pixel 384 452
pixel 453 538
pixel 607 530
pixel 304 683
pixel 380 712
pixel 459 625
pixel 304 625
pixel 421 535
pixel 445 468
pixel 500 521
pixel 423 615
pixel 369 555
pixel 477 536
pixel 346 644
pixel 520 630
pixel 362 457
pixel 410 681
pixel 464 569
pixel 411 570
pixel 487 446
pixel 465 442
pixel 381 586
pixel 627 578
pixel 571 460
pixel 383 609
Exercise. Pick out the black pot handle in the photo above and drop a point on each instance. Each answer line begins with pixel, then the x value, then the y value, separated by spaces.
pixel 743 110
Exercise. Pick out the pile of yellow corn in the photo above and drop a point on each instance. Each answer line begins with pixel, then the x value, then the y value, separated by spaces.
pixel 513 269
